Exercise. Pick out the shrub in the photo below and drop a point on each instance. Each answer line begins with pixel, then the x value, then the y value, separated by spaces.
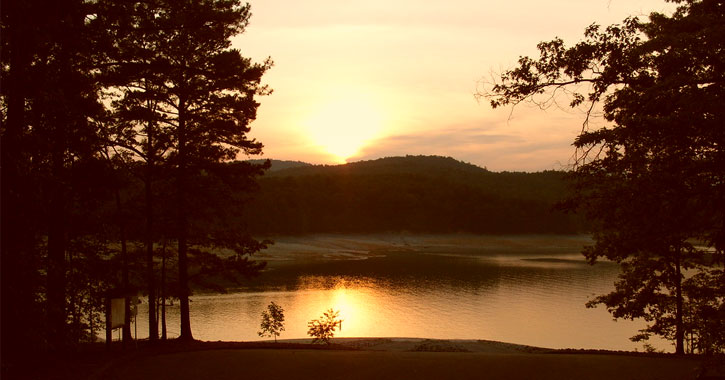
pixel 323 329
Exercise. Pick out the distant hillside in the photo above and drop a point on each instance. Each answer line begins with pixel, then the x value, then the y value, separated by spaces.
pixel 426 194
pixel 385 166
pixel 278 165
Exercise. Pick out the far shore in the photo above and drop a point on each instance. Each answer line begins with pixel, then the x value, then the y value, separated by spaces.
pixel 358 358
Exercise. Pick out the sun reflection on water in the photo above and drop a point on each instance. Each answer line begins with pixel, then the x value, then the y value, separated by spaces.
pixel 355 299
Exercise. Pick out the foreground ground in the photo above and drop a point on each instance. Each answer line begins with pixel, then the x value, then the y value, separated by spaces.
pixel 365 359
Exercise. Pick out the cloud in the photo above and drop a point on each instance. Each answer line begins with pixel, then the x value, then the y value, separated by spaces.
pixel 449 138
pixel 486 148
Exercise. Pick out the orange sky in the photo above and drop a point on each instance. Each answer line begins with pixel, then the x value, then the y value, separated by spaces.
pixel 357 80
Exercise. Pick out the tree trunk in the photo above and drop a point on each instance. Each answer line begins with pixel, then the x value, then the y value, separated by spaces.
pixel 184 290
pixel 56 270
pixel 56 256
pixel 183 228
pixel 150 276
pixel 163 291
pixel 124 272
pixel 679 326
pixel 16 243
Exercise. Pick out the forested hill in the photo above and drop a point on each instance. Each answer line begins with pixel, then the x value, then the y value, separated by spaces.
pixel 425 194
pixel 277 165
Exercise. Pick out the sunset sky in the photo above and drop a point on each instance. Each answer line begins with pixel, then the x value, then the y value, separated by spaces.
pixel 358 80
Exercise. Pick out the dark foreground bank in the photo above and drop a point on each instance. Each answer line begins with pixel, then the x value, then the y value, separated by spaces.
pixel 384 358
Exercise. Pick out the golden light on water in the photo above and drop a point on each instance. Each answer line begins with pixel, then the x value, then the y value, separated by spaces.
pixel 355 309
pixel 344 123
pixel 346 306
pixel 504 297
pixel 357 302
pixel 538 309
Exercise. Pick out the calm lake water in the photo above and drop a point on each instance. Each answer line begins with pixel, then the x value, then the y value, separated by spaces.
pixel 526 290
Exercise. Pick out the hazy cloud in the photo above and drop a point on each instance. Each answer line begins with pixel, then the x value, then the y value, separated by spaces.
pixel 495 151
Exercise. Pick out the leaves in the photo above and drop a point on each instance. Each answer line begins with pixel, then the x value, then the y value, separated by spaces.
pixel 272 321
pixel 323 329
pixel 148 86
pixel 651 182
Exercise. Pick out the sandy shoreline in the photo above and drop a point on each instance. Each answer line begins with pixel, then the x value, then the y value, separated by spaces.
pixel 363 246
pixel 361 358
pixel 428 345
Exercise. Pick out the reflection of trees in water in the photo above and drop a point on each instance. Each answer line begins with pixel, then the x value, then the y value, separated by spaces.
pixel 403 271
pixel 324 282
pixel 477 297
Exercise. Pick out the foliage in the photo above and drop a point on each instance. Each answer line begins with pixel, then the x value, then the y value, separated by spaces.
pixel 323 329
pixel 272 321
pixel 184 102
pixel 90 91
pixel 50 116
pixel 652 181
pixel 421 194
pixel 88 280
pixel 705 311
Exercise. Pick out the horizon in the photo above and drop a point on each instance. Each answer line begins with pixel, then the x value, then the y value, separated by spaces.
pixel 272 159
pixel 360 81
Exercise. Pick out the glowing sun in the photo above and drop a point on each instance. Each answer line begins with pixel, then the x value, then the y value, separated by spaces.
pixel 342 127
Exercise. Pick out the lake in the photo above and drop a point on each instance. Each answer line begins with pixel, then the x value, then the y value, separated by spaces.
pixel 520 289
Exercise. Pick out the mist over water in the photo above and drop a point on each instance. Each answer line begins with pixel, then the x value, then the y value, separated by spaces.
pixel 528 290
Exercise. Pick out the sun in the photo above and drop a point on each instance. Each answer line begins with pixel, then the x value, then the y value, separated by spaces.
pixel 342 126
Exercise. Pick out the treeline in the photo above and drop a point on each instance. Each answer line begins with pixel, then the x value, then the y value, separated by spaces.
pixel 118 122
pixel 421 194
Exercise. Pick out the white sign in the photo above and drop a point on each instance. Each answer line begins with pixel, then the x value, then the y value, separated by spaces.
pixel 118 312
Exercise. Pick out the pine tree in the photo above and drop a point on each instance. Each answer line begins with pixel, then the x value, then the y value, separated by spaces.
pixel 195 96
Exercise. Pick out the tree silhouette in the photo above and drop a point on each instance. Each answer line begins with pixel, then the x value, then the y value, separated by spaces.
pixel 653 180
pixel 202 91
pixel 182 101
pixel 272 321
pixel 323 329
pixel 137 130
pixel 50 128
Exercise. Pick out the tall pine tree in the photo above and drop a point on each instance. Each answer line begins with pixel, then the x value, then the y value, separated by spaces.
pixel 189 98
pixel 53 107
